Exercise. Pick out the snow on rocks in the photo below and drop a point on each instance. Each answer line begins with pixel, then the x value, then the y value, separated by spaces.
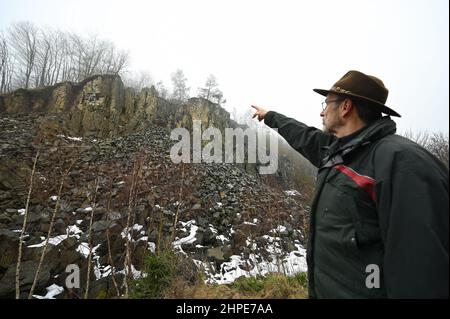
pixel 292 192
pixel 190 238
pixel 55 241
pixel 52 291
pixel 136 273
pixel 70 138
pixel 263 259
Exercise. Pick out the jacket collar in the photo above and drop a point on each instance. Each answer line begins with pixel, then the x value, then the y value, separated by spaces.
pixel 368 134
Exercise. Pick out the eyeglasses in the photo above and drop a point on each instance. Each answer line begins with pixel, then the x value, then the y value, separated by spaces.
pixel 325 103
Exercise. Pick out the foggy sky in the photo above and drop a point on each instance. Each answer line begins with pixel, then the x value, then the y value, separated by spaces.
pixel 273 53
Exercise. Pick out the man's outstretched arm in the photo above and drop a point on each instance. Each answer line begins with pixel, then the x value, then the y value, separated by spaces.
pixel 306 140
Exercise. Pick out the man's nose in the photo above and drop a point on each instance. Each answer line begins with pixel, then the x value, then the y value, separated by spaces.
pixel 321 113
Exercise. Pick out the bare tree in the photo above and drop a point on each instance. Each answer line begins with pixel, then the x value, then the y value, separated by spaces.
pixel 34 57
pixel 96 56
pixel 180 90
pixel 139 80
pixel 23 40
pixel 57 56
pixel 93 53
pixel 436 143
pixel 43 59
pixel 115 61
pixel 420 137
pixel 438 146
pixel 68 66
pixel 6 65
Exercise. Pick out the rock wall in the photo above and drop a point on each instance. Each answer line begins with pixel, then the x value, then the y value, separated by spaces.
pixel 97 107
pixel 100 106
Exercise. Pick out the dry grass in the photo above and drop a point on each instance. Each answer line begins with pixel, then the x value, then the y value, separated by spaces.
pixel 273 286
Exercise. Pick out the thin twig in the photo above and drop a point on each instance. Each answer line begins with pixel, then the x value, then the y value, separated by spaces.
pixel 127 261
pixel 160 228
pixel 86 293
pixel 22 234
pixel 108 239
pixel 179 204
pixel 30 295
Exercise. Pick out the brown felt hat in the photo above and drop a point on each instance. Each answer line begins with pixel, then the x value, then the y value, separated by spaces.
pixel 363 87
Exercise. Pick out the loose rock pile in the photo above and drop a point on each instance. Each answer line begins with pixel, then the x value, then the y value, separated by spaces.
pixel 226 221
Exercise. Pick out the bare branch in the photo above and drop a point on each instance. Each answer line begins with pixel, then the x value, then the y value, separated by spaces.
pixel 24 225
pixel 55 211
pixel 86 293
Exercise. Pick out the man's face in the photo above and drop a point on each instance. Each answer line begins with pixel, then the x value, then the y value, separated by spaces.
pixel 331 118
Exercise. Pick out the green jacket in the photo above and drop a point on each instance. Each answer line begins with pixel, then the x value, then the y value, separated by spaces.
pixel 381 200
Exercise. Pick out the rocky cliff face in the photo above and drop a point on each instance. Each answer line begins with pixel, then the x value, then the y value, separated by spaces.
pixel 107 148
pixel 100 106
pixel 91 108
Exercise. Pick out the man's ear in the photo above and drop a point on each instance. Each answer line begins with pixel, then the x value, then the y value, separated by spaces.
pixel 346 107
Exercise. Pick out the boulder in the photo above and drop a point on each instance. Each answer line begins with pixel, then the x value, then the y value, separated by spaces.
pixel 26 278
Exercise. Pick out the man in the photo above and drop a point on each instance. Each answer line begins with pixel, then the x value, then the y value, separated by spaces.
pixel 379 217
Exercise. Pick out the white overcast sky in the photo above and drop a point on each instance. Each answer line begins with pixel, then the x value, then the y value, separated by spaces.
pixel 273 53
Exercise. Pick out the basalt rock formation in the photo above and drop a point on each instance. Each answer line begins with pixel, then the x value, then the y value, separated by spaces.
pixel 104 181
pixel 100 106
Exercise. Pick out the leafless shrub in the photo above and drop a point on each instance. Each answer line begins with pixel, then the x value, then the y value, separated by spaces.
pixel 86 293
pixel 22 234
pixel 136 175
pixel 179 204
pixel 108 238
pixel 436 143
pixel 44 250
pixel 438 146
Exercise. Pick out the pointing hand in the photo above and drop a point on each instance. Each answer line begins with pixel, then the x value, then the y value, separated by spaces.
pixel 260 112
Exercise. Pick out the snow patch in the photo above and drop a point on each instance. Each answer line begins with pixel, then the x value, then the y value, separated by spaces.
pixel 76 139
pixel 55 241
pixel 279 229
pixel 222 238
pixel 52 291
pixel 151 246
pixel 214 231
pixel 292 192
pixel 255 265
pixel 190 238
pixel 136 273
pixel 126 232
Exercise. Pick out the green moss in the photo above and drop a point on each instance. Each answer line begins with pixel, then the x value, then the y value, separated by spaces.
pixel 249 284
